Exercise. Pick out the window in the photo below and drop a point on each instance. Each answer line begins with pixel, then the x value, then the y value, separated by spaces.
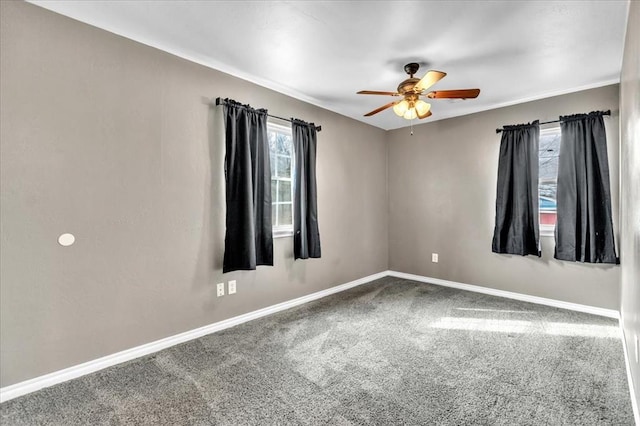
pixel 281 156
pixel 548 155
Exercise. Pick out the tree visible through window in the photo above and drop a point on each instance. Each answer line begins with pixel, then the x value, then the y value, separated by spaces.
pixel 548 156
pixel 281 156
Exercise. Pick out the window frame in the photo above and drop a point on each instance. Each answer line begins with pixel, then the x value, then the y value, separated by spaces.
pixel 281 231
pixel 547 230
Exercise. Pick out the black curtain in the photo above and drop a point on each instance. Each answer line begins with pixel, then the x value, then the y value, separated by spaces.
pixel 517 230
pixel 584 229
pixel 249 239
pixel 306 236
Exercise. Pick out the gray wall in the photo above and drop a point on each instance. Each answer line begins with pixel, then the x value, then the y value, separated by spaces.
pixel 442 186
pixel 630 190
pixel 115 142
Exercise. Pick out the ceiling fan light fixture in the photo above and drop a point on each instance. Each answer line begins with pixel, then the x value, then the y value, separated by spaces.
pixel 401 108
pixel 410 114
pixel 422 108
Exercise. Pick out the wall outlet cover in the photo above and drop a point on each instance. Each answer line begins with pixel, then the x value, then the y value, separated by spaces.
pixel 232 287
pixel 434 257
pixel 220 289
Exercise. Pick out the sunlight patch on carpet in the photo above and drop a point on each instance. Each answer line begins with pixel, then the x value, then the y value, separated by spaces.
pixel 519 326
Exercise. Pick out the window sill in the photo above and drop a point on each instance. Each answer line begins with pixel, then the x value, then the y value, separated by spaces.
pixel 547 230
pixel 283 233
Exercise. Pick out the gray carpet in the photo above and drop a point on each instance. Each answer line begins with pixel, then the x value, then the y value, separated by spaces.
pixel 387 353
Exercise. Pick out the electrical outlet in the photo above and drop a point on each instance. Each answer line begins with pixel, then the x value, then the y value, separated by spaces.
pixel 434 257
pixel 220 287
pixel 232 286
pixel 637 350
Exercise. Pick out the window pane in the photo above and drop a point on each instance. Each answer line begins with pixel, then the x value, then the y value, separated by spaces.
pixel 280 155
pixel 272 141
pixel 272 161
pixel 284 190
pixel 549 149
pixel 548 155
pixel 274 190
pixel 274 215
pixel 548 189
pixel 284 166
pixel 283 144
pixel 548 218
pixel 284 214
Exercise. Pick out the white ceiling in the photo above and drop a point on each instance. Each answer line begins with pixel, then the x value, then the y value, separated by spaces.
pixel 323 52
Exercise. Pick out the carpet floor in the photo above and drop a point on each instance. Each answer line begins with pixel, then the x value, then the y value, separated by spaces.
pixel 391 352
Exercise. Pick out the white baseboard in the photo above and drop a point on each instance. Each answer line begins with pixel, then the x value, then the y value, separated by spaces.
pixel 37 383
pixel 634 401
pixel 611 313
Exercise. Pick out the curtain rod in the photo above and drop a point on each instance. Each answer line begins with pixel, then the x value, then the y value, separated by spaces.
pixel 220 101
pixel 607 112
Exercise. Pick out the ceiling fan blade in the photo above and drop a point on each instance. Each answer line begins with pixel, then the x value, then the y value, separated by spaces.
pixel 428 114
pixel 375 92
pixel 430 78
pixel 382 108
pixel 454 94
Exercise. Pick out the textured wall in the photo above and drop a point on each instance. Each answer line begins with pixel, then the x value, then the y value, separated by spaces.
pixel 630 190
pixel 442 189
pixel 115 142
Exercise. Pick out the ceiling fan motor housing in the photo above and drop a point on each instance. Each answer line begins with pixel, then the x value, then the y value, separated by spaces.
pixel 407 85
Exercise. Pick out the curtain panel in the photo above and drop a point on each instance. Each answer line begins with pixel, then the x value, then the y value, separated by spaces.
pixel 306 235
pixel 248 238
pixel 584 229
pixel 516 226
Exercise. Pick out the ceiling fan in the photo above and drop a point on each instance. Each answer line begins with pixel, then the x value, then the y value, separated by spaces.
pixel 411 89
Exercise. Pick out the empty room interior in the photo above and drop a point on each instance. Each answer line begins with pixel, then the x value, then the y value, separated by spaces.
pixel 320 212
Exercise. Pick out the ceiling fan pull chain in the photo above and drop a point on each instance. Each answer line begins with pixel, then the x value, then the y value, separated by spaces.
pixel 412 127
